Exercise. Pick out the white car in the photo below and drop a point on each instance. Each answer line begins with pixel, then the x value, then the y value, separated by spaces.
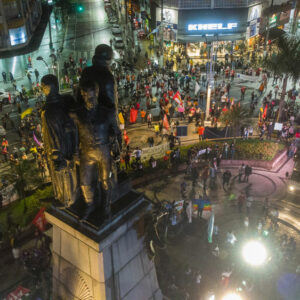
pixel 118 43
pixel 2 131
pixel 116 30
pixel 3 96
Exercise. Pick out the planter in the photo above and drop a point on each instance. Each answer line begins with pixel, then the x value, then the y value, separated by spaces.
pixel 264 164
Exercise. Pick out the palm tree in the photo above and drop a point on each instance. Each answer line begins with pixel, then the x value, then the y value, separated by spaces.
pixel 233 117
pixel 285 61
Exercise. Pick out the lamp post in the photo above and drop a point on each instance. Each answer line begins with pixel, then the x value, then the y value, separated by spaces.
pixel 42 59
pixel 56 63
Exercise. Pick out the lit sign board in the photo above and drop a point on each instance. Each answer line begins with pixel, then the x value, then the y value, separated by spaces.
pixel 213 26
pixel 273 20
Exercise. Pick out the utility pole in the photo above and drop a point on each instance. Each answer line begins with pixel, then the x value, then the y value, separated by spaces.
pixel 162 32
pixel 50 33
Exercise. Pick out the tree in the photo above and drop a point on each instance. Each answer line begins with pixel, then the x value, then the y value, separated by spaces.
pixel 233 117
pixel 28 176
pixel 286 61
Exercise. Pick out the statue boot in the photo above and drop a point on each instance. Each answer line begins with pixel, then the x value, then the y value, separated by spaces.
pixel 88 194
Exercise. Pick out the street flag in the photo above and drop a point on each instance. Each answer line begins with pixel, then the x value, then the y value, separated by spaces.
pixel 265 112
pixel 210 227
pixel 18 293
pixel 202 204
pixel 166 122
pixel 133 115
pixel 197 88
pixel 40 221
pixel 121 118
pixel 177 98
pixel 36 140
pixel 26 112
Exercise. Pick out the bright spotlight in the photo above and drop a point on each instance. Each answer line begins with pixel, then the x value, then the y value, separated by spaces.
pixel 232 296
pixel 292 188
pixel 254 253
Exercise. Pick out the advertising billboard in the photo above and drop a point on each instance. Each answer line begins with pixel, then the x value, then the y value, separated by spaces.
pixel 216 21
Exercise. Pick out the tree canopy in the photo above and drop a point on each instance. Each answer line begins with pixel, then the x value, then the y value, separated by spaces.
pixel 286 59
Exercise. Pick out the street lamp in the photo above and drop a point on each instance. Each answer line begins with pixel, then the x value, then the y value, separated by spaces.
pixel 254 253
pixel 56 61
pixel 42 59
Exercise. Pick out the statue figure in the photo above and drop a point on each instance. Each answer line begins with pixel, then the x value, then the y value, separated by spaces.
pixel 100 72
pixel 60 141
pixel 97 124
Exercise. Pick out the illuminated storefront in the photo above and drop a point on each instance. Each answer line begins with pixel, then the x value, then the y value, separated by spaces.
pixel 212 25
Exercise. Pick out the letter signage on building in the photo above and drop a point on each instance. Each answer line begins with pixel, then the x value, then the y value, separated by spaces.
pixel 212 26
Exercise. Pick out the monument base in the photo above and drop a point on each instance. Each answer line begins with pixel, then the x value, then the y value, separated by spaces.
pixel 109 262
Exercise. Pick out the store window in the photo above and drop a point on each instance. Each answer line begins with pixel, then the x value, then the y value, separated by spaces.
pixel 17 36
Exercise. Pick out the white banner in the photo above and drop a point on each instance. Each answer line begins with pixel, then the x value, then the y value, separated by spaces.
pixel 247 77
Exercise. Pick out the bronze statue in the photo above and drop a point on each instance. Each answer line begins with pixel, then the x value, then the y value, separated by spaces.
pixel 84 129
pixel 60 141
pixel 96 124
pixel 100 72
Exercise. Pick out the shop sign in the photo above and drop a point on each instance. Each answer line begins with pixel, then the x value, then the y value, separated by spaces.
pixel 212 26
pixel 273 20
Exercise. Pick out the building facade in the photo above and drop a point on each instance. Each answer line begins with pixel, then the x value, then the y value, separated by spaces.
pixel 18 21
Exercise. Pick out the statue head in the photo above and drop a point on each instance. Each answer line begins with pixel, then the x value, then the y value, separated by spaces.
pixel 89 91
pixel 103 54
pixel 49 85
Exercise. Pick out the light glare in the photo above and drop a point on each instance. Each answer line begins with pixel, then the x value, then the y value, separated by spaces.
pixel 254 253
pixel 232 296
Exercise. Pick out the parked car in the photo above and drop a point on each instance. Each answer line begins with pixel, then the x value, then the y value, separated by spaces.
pixel 3 96
pixel 113 20
pixel 116 29
pixel 118 43
pixel 2 131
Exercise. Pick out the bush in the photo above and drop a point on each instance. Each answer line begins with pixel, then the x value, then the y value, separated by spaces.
pixel 23 211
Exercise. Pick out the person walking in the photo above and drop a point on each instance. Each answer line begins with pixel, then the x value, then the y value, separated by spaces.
pixel 248 172
pixel 4 77
pixel 11 76
pixel 143 115
pixel 226 178
pixel 37 75
pixel 243 91
pixel 149 120
pixel 241 172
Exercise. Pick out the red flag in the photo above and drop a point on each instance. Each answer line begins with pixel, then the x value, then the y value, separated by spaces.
pixel 165 122
pixel 133 115
pixel 265 112
pixel 177 98
pixel 40 221
pixel 18 293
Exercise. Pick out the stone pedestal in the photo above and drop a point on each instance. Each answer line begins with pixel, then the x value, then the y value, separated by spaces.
pixel 108 263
